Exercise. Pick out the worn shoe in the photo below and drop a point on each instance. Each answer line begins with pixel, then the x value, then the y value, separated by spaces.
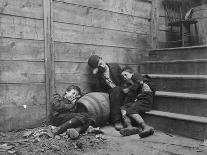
pixel 72 133
pixel 146 132
pixel 129 131
pixel 118 125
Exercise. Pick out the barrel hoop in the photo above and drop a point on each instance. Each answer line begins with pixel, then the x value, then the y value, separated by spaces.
pixel 106 96
pixel 96 110
pixel 101 110
pixel 88 101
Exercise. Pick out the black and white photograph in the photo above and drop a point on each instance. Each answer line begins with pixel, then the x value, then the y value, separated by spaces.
pixel 103 77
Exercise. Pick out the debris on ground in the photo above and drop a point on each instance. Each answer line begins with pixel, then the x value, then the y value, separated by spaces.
pixel 96 130
pixel 42 141
pixel 204 143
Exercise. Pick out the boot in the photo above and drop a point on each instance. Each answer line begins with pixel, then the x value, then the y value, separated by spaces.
pixel 147 131
pixel 118 125
pixel 129 129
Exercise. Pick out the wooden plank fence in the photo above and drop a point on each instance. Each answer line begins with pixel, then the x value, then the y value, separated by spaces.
pixel 45 44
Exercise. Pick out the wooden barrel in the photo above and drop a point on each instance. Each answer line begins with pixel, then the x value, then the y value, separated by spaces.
pixel 95 104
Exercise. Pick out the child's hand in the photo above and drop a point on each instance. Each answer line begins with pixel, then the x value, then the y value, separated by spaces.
pixel 125 90
pixel 123 112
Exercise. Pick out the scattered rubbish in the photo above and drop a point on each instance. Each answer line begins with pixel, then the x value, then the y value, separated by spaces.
pixel 100 137
pixel 96 130
pixel 6 147
pixel 2 134
pixel 204 143
pixel 72 133
pixel 79 145
pixel 14 141
pixel 36 140
pixel 27 134
pixel 41 140
pixel 55 147
pixel 25 106
pixel 57 137
pixel 12 151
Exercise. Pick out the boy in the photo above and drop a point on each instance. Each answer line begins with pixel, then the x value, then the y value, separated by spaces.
pixel 65 116
pixel 138 100
pixel 110 80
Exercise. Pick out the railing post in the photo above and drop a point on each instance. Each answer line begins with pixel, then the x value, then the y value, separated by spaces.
pixel 154 24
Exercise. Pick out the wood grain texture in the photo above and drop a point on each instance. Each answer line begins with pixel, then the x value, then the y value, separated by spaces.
pixel 21 72
pixel 200 14
pixel 22 94
pixel 90 35
pixel 202 31
pixel 81 15
pixel 70 78
pixel 49 55
pixel 18 27
pixel 154 29
pixel 25 8
pixel 141 8
pixel 81 53
pixel 21 49
pixel 17 117
pixel 78 73
pixel 80 68
pixel 85 87
pixel 71 68
pixel 200 7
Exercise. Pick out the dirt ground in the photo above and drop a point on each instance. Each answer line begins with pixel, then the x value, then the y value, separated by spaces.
pixel 110 143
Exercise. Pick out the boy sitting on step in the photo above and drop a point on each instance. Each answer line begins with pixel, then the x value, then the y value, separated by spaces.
pixel 138 100
pixel 65 115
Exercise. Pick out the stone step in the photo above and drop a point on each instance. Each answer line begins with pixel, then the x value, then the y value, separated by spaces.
pixel 184 125
pixel 196 66
pixel 181 53
pixel 180 83
pixel 184 103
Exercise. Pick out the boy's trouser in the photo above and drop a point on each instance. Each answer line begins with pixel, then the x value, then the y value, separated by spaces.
pixel 116 98
pixel 73 123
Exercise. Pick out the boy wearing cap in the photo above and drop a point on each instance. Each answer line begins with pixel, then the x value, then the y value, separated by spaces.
pixel 110 80
pixel 139 99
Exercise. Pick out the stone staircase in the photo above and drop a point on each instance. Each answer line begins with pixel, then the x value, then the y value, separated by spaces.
pixel 180 76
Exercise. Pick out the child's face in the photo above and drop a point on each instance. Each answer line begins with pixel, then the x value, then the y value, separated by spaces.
pixel 126 75
pixel 72 95
pixel 101 67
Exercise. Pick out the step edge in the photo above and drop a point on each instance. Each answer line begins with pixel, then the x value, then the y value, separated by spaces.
pixel 173 61
pixel 177 76
pixel 178 48
pixel 181 95
pixel 197 119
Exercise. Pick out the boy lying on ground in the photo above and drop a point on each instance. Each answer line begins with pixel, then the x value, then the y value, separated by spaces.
pixel 138 100
pixel 65 115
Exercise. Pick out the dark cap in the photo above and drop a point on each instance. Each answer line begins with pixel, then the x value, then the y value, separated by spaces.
pixel 93 61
